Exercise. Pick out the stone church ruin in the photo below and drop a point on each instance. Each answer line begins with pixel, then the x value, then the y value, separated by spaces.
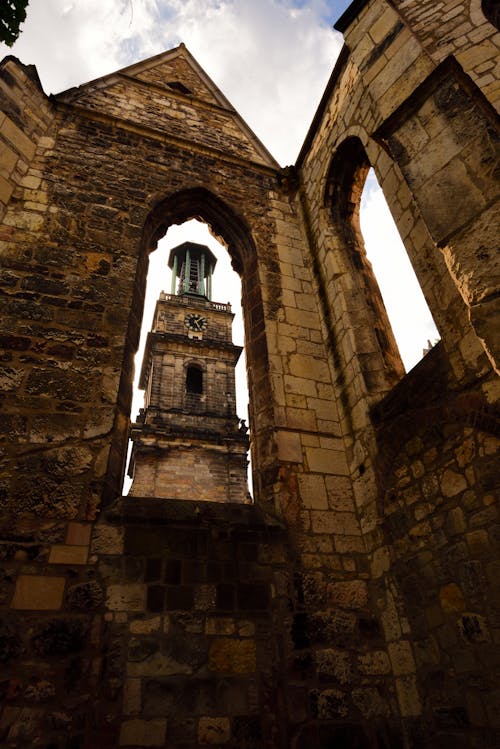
pixel 355 602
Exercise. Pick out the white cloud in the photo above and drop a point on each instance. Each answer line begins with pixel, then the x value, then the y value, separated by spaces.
pixel 270 58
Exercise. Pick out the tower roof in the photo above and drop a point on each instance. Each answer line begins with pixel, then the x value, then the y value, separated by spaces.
pixel 196 250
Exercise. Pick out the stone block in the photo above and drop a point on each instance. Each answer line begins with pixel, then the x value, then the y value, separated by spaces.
pixel 408 696
pixel 374 663
pixel 220 625
pixel 145 626
pixel 156 665
pixel 334 663
pixel 78 534
pixel 322 460
pixel 312 491
pixel 232 656
pixel 64 554
pixel 126 597
pixel 132 698
pixel 350 595
pixel 401 656
pixel 140 733
pixel 38 593
pixel 107 539
pixel 214 731
pixel 452 483
pixel 18 139
pixel 289 447
pixel 451 598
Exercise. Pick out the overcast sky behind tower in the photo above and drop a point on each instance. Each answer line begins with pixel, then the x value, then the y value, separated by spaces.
pixel 271 58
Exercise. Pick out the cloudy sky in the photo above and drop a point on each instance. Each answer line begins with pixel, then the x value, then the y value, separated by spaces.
pixel 272 59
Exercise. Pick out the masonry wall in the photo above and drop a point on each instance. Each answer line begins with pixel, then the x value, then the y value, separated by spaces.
pixel 421 454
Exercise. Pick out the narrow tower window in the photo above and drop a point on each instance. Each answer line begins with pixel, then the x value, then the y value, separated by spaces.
pixel 194 380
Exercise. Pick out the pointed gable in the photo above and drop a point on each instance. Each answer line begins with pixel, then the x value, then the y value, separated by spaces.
pixel 171 95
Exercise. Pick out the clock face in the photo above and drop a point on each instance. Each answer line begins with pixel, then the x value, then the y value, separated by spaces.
pixel 198 323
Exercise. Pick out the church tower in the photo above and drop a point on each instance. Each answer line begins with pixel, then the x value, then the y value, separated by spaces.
pixel 188 442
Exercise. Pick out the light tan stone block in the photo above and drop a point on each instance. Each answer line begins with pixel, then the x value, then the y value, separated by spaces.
pixel 6 190
pixel 214 731
pixel 18 139
pixel 143 732
pixel 63 554
pixel 312 491
pixel 321 460
pixel 452 483
pixel 289 447
pixel 38 593
pixel 383 25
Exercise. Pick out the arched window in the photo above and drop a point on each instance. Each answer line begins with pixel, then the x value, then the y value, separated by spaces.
pixel 194 380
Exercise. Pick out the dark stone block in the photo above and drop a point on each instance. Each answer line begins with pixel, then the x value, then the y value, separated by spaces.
pixel 253 596
pixel 248 552
pixel 155 598
pixel 59 637
pixel 173 571
pixel 194 572
pixel 180 598
pixel 10 643
pixel 214 572
pixel 85 595
pixel 141 648
pixel 225 596
pixel 247 732
pixel 343 737
pixel 153 570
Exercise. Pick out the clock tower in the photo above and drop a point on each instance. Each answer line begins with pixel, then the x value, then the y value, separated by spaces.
pixel 188 442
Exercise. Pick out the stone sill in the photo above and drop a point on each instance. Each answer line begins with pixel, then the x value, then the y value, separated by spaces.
pixel 168 511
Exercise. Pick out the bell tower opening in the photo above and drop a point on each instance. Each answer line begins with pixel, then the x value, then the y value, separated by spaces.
pixel 194 380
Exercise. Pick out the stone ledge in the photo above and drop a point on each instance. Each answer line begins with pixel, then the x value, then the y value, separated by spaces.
pixel 187 512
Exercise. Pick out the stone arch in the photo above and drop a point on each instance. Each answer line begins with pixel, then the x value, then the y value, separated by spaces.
pixel 345 180
pixel 235 234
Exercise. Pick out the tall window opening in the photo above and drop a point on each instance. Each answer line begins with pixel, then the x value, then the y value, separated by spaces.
pixel 491 10
pixel 411 320
pixel 226 289
pixel 194 380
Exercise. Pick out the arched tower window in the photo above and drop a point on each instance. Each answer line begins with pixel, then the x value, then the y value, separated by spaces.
pixel 194 380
